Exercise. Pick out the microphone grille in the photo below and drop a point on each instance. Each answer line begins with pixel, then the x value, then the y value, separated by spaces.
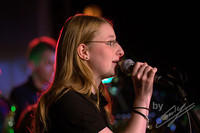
pixel 126 65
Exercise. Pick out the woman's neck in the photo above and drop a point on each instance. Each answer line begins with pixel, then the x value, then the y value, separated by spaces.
pixel 97 82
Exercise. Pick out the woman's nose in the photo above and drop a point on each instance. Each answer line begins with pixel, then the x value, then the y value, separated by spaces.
pixel 120 51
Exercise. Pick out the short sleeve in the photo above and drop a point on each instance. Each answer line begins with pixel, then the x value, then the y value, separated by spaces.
pixel 77 114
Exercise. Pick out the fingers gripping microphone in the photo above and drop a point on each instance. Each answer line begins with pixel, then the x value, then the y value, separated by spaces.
pixel 127 65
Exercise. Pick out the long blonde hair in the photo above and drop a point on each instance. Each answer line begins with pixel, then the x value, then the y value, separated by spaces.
pixel 71 71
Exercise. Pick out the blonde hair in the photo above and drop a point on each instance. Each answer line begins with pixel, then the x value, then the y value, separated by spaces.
pixel 71 71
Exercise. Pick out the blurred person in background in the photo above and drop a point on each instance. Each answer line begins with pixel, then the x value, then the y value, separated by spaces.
pixel 40 53
pixel 4 110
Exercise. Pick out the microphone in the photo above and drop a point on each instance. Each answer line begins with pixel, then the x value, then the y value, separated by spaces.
pixel 127 65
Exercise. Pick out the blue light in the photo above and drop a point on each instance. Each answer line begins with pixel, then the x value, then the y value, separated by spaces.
pixel 152 114
pixel 173 127
pixel 158 120
pixel 107 80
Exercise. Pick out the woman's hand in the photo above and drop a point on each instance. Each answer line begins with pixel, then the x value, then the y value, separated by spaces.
pixel 143 78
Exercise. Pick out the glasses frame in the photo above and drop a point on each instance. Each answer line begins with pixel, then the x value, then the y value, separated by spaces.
pixel 106 42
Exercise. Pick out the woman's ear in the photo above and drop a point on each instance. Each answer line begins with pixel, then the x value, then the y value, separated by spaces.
pixel 83 52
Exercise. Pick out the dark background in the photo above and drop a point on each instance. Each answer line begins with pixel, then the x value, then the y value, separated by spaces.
pixel 164 34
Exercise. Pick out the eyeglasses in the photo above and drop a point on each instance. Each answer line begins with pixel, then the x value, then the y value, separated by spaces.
pixel 111 43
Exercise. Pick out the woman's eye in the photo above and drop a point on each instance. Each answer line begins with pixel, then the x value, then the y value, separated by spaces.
pixel 111 43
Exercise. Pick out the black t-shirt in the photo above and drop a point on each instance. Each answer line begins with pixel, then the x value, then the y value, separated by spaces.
pixel 75 113
pixel 23 96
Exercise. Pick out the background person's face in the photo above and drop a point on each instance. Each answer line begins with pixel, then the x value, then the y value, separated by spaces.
pixel 45 68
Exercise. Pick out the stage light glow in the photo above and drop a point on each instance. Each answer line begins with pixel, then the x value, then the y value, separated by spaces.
pixel 113 90
pixel 158 120
pixel 0 71
pixel 93 10
pixel 13 108
pixel 173 127
pixel 107 80
pixel 11 131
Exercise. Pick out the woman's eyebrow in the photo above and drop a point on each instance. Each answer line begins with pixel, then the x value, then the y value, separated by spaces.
pixel 111 36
